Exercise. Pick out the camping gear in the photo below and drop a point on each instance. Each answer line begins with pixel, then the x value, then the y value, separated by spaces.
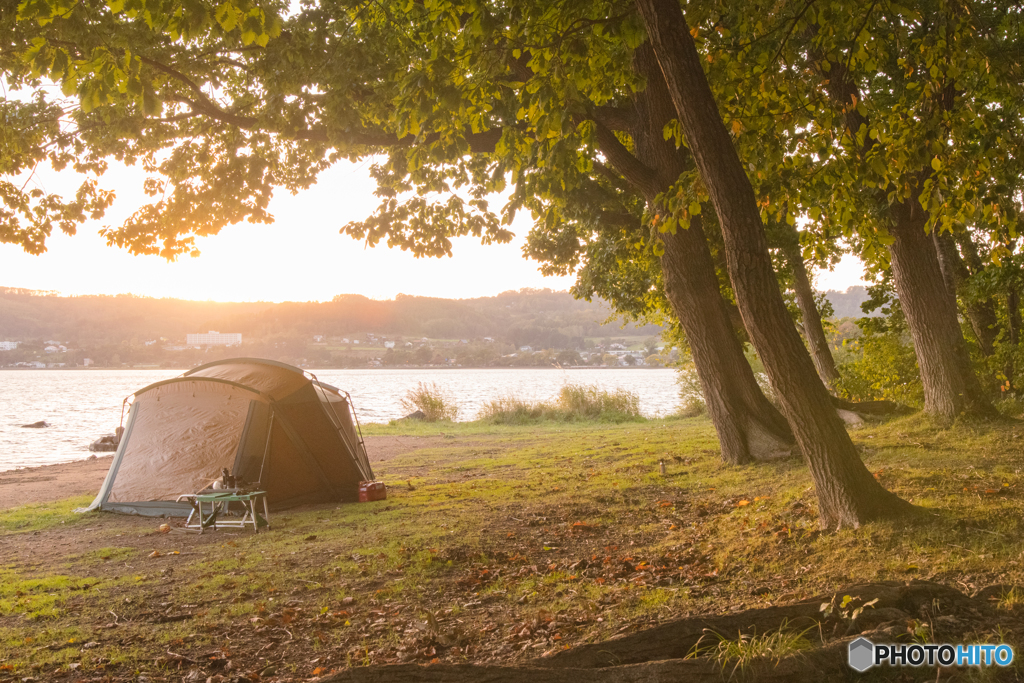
pixel 219 504
pixel 270 424
pixel 372 490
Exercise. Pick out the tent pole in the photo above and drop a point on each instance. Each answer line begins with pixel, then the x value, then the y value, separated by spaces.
pixel 266 450
pixel 341 426
pixel 359 427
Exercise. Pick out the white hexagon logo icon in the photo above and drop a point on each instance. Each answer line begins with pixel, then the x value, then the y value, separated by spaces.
pixel 862 654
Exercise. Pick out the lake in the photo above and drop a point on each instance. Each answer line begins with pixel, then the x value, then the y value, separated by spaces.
pixel 82 405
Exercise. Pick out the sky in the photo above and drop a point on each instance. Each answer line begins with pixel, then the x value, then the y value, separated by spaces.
pixel 301 257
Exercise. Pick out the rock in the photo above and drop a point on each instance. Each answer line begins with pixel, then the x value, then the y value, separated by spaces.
pixel 851 418
pixel 37 425
pixel 107 442
pixel 104 444
pixel 418 415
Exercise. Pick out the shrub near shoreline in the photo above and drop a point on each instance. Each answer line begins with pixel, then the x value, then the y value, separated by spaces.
pixel 575 402
pixel 436 404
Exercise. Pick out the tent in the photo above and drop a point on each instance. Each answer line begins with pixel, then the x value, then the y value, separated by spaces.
pixel 264 421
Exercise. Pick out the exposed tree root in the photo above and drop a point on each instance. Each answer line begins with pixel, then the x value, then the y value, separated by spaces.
pixel 658 655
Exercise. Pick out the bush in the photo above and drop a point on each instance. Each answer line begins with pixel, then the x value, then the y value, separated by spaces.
pixel 691 394
pixel 575 402
pixel 886 369
pixel 435 403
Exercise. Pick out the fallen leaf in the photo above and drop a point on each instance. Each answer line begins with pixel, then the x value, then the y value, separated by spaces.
pixel 155 553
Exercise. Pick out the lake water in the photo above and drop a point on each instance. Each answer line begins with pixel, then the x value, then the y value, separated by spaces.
pixel 82 405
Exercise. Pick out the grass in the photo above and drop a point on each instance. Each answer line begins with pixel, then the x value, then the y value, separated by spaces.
pixel 750 651
pixel 43 515
pixel 574 403
pixel 516 539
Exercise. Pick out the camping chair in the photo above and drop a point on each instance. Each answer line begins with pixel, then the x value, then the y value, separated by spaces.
pixel 218 503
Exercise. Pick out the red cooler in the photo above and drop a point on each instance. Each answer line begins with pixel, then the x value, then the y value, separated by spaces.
pixel 372 490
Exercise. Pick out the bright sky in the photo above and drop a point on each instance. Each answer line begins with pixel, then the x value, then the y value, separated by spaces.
pixel 300 258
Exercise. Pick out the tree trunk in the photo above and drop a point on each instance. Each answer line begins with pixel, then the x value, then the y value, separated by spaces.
pixel 981 314
pixel 847 493
pixel 1013 328
pixel 821 353
pixel 749 427
pixel 950 386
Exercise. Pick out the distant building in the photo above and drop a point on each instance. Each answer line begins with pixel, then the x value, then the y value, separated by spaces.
pixel 389 345
pixel 214 338
pixel 318 338
pixel 8 346
pixel 526 349
pixel 86 362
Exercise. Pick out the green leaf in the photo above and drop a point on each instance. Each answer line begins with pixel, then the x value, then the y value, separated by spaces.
pixel 936 164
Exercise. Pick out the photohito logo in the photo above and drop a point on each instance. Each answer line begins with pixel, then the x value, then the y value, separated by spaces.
pixel 863 654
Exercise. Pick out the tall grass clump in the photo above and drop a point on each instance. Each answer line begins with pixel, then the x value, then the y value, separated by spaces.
pixel 583 402
pixel 512 410
pixel 575 402
pixel 436 404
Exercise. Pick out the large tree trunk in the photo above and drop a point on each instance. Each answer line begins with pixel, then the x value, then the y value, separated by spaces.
pixel 847 493
pixel 821 353
pixel 950 386
pixel 749 427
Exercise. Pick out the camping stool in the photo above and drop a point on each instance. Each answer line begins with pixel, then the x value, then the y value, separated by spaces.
pixel 218 503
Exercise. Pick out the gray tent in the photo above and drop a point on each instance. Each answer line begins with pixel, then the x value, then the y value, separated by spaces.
pixel 264 421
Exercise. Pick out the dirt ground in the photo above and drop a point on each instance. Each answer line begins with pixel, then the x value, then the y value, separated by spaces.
pixel 50 483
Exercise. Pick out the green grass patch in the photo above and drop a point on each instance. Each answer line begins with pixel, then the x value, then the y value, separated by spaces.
pixel 39 516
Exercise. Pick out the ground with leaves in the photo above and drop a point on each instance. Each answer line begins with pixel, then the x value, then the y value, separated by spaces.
pixel 502 545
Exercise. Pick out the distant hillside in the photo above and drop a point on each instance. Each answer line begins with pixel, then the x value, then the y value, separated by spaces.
pixel 847 304
pixel 539 318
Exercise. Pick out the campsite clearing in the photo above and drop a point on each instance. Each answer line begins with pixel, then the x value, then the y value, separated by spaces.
pixel 501 544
